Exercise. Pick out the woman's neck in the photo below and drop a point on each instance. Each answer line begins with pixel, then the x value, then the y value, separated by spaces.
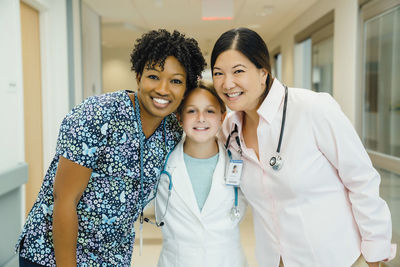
pixel 202 150
pixel 251 118
pixel 149 123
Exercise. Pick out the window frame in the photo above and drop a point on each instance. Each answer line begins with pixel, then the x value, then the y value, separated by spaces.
pixel 317 37
pixel 318 31
pixel 368 10
pixel 272 56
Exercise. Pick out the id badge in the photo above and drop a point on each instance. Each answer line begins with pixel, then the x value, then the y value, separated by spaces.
pixel 234 172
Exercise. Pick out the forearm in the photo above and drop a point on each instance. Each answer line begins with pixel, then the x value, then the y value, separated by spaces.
pixel 65 232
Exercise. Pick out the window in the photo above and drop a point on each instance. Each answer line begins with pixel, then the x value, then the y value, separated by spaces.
pixel 322 60
pixel 381 82
pixel 302 64
pixel 314 56
pixel 277 66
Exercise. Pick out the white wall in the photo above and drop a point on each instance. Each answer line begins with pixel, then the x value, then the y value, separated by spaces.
pixel 54 58
pixel 11 87
pixel 53 41
pixel 344 49
pixel 91 52
pixel 345 85
pixel 54 84
pixel 77 36
pixel 117 74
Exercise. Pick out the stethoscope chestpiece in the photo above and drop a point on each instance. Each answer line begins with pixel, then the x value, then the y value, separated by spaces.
pixel 235 213
pixel 276 163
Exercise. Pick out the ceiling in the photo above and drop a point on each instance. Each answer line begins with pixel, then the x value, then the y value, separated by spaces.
pixel 125 20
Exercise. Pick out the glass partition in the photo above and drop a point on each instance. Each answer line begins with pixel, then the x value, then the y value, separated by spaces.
pixel 381 83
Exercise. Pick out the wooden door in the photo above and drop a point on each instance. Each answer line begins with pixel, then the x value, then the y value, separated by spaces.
pixel 32 101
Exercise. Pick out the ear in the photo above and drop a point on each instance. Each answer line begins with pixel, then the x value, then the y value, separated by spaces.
pixel 138 77
pixel 263 75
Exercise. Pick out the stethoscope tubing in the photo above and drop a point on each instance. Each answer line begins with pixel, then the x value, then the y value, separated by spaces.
pixel 278 150
pixel 275 162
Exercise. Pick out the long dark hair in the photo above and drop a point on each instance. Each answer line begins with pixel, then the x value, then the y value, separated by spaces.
pixel 250 44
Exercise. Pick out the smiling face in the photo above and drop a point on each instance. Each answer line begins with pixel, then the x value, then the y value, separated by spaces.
pixel 201 116
pixel 238 81
pixel 160 91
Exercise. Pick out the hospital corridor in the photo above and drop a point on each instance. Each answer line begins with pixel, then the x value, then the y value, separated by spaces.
pixel 133 77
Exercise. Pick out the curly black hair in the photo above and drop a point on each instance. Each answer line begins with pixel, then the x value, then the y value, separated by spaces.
pixel 155 46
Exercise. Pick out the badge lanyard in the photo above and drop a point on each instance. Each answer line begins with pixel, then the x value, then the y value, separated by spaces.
pixel 142 139
pixel 234 179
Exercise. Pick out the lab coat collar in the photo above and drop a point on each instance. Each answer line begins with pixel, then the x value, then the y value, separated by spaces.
pixel 183 186
pixel 271 104
pixel 218 183
pixel 180 178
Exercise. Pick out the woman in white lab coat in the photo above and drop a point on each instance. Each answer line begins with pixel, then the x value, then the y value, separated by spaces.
pixel 312 187
pixel 194 235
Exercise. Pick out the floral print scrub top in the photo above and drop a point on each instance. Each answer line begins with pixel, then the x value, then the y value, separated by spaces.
pixel 101 134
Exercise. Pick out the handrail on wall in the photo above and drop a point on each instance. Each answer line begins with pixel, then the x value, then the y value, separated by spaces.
pixel 13 178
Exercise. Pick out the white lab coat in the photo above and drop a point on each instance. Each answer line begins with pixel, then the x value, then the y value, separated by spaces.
pixel 198 238
pixel 323 207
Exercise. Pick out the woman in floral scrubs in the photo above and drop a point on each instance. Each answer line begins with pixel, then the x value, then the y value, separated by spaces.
pixel 109 154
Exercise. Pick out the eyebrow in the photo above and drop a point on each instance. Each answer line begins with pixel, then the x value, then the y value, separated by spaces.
pixel 162 71
pixel 194 105
pixel 238 65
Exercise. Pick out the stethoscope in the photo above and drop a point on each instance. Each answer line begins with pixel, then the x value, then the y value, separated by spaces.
pixel 276 161
pixel 142 139
pixel 160 222
pixel 235 211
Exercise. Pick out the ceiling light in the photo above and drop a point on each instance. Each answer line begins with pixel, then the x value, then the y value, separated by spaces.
pixel 254 26
pixel 125 26
pixel 267 9
pixel 217 9
pixel 158 3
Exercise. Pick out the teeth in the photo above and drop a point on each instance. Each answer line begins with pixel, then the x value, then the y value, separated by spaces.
pixel 200 128
pixel 161 101
pixel 234 94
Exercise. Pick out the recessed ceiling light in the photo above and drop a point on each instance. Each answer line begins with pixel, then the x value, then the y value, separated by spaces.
pixel 158 3
pixel 216 18
pixel 217 9
pixel 266 9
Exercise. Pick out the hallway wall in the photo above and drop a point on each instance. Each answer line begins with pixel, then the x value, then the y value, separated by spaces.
pixel 54 76
pixel 117 74
pixel 11 94
pixel 344 50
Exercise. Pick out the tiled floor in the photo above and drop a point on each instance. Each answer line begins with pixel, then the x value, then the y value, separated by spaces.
pixel 390 191
pixel 152 238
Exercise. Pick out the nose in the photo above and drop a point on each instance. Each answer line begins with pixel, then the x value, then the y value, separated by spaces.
pixel 201 117
pixel 162 88
pixel 228 82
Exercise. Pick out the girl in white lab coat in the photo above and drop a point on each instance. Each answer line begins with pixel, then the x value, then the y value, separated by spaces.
pixel 199 225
